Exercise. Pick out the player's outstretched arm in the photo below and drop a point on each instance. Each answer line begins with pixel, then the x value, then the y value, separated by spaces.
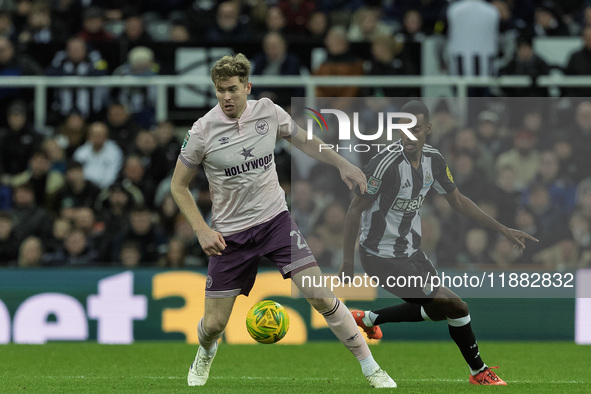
pixel 468 208
pixel 351 175
pixel 351 232
pixel 211 241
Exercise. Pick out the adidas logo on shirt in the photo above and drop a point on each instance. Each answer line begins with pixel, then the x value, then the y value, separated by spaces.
pixel 406 184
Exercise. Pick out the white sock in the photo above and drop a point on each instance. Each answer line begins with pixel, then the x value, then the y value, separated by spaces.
pixel 207 352
pixel 369 365
pixel 474 373
pixel 342 324
pixel 369 318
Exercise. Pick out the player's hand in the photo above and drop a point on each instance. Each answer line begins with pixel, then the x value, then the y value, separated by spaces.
pixel 346 271
pixel 211 242
pixel 518 238
pixel 353 177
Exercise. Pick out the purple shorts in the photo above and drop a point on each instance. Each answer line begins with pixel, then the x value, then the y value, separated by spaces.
pixel 235 271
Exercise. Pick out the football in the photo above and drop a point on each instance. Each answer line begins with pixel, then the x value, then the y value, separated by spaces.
pixel 267 322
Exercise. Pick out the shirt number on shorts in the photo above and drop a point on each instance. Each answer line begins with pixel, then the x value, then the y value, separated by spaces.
pixel 301 243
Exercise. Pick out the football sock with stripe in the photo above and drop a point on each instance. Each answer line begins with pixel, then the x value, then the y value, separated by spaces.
pixel 343 325
pixel 461 332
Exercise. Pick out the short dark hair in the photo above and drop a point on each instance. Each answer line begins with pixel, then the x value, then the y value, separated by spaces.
pixel 416 107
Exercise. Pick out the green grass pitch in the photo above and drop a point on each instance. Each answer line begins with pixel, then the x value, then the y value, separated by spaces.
pixel 326 367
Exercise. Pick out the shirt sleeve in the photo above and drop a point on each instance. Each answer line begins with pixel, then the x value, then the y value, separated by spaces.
pixel 379 172
pixel 444 181
pixel 193 148
pixel 287 127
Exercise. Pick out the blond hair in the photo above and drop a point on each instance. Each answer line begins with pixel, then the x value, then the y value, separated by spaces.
pixel 231 66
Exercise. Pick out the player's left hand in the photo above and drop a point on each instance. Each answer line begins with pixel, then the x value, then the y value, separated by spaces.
pixel 518 238
pixel 353 177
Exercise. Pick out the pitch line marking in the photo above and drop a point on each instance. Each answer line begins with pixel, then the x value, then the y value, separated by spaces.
pixel 309 379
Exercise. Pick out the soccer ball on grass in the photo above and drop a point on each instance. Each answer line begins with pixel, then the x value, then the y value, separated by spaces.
pixel 267 322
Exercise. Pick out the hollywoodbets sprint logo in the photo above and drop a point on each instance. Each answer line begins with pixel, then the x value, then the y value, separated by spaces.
pixel 387 122
pixel 262 162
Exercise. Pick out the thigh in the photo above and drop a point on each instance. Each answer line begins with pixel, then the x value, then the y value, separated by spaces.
pixel 283 244
pixel 409 279
pixel 234 271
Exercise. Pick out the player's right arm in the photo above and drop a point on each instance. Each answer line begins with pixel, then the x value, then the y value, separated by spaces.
pixel 211 241
pixel 351 232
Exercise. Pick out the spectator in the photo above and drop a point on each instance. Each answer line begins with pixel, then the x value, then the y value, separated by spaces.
pixel 7 28
pixel 467 177
pixel 317 27
pixel 75 251
pixel 340 62
pixel 30 252
pixel 121 126
pixel 476 248
pixel 40 27
pixel 140 101
pixel 71 133
pixel 12 65
pixel 100 157
pixel 152 156
pixel 130 256
pixel 175 255
pixel 18 141
pixel 506 195
pixel 8 240
pixel 579 63
pixel 583 197
pixel 274 22
pixel 56 155
pixel 321 253
pixel 446 123
pixel 562 191
pixel 473 40
pixel 524 158
pixel 113 206
pixel 367 25
pixel 331 228
pixel 489 133
pixel 93 27
pixel 412 27
pixel 77 191
pixel 227 27
pixel 562 147
pixel 45 183
pixel 296 13
pixel 305 209
pixel 551 221
pixel 525 220
pixel 134 173
pixel 503 254
pixel 548 20
pixel 134 34
pixel 179 32
pixel 465 141
pixel 60 230
pixel 76 60
pixel 29 219
pixel 146 234
pixel 389 59
pixel 526 62
pixel 276 60
pixel 580 135
pixel 168 212
pixel 167 140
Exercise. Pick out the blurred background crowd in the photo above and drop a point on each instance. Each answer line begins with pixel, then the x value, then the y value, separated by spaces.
pixel 92 187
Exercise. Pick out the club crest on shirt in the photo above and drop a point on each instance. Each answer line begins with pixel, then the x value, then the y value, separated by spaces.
pixel 186 140
pixel 373 185
pixel 428 179
pixel 261 126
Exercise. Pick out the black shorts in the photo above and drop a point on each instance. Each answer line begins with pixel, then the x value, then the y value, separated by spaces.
pixel 407 278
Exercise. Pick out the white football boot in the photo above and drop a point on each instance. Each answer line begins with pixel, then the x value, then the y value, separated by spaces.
pixel 199 371
pixel 380 379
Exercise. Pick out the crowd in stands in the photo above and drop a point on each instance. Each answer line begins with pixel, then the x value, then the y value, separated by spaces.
pixel 93 189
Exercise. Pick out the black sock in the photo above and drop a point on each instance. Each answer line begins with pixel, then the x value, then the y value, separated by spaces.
pixel 464 337
pixel 399 313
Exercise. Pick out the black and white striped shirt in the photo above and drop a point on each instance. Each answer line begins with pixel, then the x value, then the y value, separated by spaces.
pixel 391 227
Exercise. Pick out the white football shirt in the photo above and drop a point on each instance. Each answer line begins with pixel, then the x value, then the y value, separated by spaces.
pixel 237 155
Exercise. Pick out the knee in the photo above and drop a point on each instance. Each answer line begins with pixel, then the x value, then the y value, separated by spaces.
pixel 321 304
pixel 456 308
pixel 214 326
